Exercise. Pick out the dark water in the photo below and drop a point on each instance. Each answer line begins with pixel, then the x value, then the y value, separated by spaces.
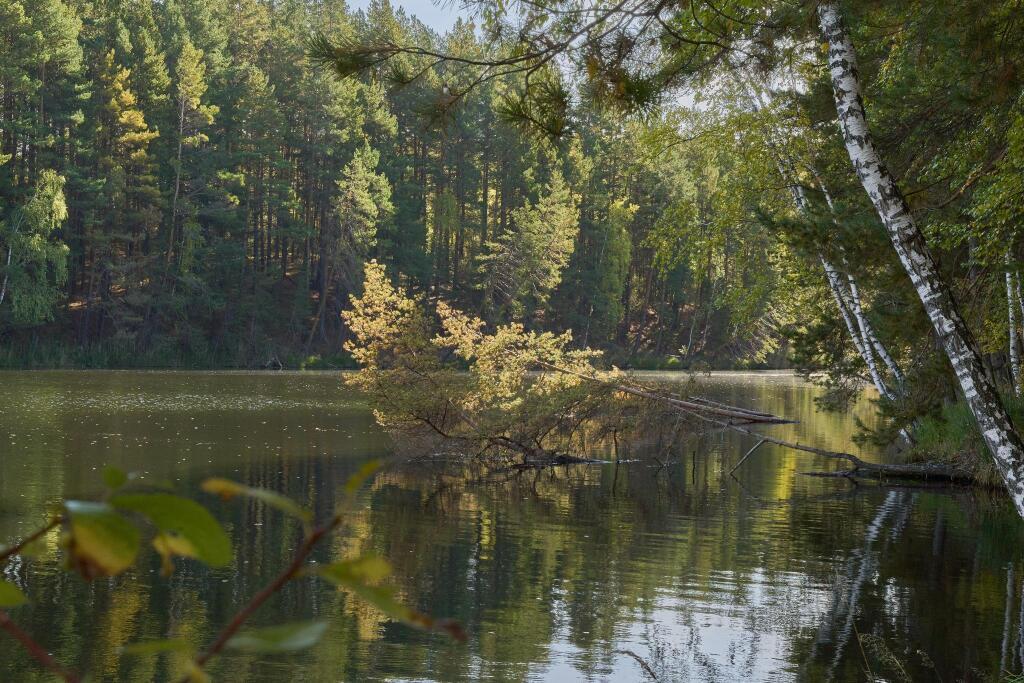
pixel 769 576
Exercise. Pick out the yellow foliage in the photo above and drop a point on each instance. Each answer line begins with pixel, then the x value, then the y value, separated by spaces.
pixel 510 389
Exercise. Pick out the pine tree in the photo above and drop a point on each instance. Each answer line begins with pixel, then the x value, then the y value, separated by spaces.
pixel 192 117
pixel 125 212
pixel 524 265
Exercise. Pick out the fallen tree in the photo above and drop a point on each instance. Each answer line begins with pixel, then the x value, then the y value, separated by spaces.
pixel 859 468
pixel 510 393
pixel 527 398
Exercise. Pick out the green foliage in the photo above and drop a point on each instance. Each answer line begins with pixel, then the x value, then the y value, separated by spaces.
pixel 34 262
pixel 364 200
pixel 951 434
pixel 524 265
pixel 11 595
pixel 362 576
pixel 114 478
pixel 417 382
pixel 100 540
pixel 186 528
pixel 227 489
pixel 224 191
pixel 281 638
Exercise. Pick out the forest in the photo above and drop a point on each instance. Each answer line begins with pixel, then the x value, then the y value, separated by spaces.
pixel 493 227
pixel 185 186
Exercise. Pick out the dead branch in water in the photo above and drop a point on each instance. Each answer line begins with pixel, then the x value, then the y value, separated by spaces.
pixel 696 405
pixel 872 470
pixel 705 409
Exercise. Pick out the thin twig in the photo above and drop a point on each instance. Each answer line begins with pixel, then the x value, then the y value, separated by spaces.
pixel 6 553
pixel 36 650
pixel 289 573
pixel 642 662
pixel 744 458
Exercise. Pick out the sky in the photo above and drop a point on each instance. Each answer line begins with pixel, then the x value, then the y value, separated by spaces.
pixel 439 16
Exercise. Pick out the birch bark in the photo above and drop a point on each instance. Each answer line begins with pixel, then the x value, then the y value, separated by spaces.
pixel 840 294
pixel 844 290
pixel 871 340
pixel 984 402
pixel 7 268
pixel 1020 295
pixel 1011 317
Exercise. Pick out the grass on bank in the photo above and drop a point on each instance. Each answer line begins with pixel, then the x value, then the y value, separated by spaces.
pixel 953 436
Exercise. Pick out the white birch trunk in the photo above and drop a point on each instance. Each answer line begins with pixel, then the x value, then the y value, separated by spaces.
pixel 984 402
pixel 1020 298
pixel 847 298
pixel 1011 317
pixel 836 284
pixel 869 332
pixel 15 229
pixel 838 287
pixel 871 340
pixel 7 268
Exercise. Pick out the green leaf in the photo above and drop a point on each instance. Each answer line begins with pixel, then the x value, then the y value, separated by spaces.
pixel 170 545
pixel 227 489
pixel 114 478
pixel 361 475
pixel 148 647
pixel 358 575
pixel 100 541
pixel 11 595
pixel 366 568
pixel 183 520
pixel 283 638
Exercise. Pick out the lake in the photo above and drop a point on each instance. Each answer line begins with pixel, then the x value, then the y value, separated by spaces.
pixel 559 575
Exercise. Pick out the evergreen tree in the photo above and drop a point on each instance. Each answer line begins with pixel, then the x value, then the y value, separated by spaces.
pixel 524 265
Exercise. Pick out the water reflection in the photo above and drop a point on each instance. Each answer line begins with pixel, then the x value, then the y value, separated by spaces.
pixel 557 575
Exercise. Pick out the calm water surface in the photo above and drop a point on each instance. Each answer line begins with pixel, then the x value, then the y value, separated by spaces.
pixel 767 576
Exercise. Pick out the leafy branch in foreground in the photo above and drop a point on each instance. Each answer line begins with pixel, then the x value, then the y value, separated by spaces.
pixel 103 538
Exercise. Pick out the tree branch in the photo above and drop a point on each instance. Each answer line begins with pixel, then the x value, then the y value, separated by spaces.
pixel 286 575
pixel 36 650
pixel 8 552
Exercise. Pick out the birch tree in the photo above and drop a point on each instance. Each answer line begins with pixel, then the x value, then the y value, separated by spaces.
pixel 34 262
pixel 843 287
pixel 888 200
pixel 1011 323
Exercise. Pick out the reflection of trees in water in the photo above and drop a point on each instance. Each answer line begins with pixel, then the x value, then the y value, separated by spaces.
pixel 566 555
pixel 536 564
pixel 862 565
pixel 926 592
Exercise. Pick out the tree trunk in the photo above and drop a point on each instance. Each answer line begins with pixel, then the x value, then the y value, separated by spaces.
pixel 869 331
pixel 177 185
pixel 1011 310
pixel 1020 295
pixel 993 421
pixel 871 340
pixel 7 268
pixel 844 289
pixel 860 341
